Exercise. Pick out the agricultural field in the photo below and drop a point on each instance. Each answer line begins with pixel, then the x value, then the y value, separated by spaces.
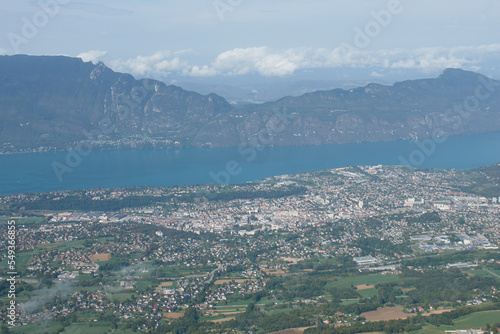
pixel 474 320
pixel 386 313
pixel 363 281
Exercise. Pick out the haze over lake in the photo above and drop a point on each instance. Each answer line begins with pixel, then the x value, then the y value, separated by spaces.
pixel 33 172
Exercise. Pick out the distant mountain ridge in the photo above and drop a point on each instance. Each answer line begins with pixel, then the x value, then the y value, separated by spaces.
pixel 55 102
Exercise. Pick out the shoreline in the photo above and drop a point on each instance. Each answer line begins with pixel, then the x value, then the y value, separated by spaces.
pixel 210 146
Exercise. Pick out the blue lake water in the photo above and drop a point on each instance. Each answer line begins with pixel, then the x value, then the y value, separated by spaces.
pixel 34 172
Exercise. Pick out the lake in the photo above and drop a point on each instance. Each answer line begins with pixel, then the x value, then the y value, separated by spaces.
pixel 52 171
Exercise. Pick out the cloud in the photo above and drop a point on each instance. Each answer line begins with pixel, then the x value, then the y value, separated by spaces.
pixel 268 62
pixel 93 56
pixel 159 64
pixel 435 58
pixel 259 59
pixel 200 71
pixel 376 74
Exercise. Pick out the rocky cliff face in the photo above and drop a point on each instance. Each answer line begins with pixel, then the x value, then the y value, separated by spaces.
pixel 56 102
pixel 60 102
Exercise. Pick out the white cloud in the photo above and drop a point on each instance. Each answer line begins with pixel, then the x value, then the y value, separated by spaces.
pixel 267 62
pixel 168 65
pixel 239 61
pixel 200 71
pixel 259 59
pixel 94 56
pixel 376 74
pixel 160 63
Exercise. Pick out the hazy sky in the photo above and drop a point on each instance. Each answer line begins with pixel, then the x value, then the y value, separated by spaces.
pixel 271 38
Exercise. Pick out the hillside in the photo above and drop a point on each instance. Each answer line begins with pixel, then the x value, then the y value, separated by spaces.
pixel 58 101
pixel 409 109
pixel 55 102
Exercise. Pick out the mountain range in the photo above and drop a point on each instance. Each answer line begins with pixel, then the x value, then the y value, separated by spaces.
pixel 56 102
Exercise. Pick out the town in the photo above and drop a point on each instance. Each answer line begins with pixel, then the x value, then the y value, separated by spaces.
pixel 315 250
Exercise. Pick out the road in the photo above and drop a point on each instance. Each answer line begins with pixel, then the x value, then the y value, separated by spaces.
pixel 492 273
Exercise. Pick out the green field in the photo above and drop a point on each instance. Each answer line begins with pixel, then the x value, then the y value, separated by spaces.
pixel 87 328
pixel 328 261
pixel 64 245
pixel 350 301
pixel 47 327
pixel 346 282
pixel 474 320
pixel 368 293
pixel 61 246
pixel 24 220
pixel 121 297
pixel 93 328
pixel 229 307
pixel 241 303
pixel 484 272
pixel 493 272
pixel 22 260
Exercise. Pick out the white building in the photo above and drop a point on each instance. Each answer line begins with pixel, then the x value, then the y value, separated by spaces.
pixel 366 260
